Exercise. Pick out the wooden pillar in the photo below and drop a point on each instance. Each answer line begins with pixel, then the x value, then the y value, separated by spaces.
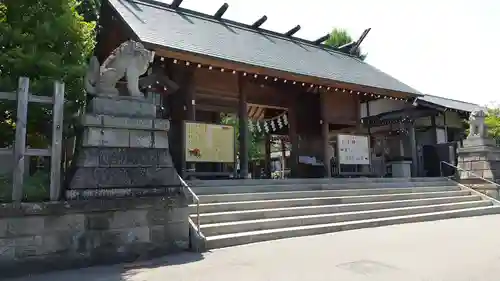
pixel 243 128
pixel 283 159
pixel 294 137
pixel 190 111
pixel 445 127
pixel 434 129
pixel 413 144
pixel 325 130
pixel 183 109
pixel 267 156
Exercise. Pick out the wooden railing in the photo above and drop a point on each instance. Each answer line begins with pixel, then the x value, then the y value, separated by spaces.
pixel 23 97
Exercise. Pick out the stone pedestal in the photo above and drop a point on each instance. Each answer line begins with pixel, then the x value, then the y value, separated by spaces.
pixel 125 152
pixel 480 156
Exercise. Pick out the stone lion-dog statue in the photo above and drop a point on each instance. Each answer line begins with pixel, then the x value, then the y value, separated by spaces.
pixel 129 60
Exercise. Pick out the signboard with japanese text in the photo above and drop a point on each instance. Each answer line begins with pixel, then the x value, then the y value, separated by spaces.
pixel 353 149
pixel 209 143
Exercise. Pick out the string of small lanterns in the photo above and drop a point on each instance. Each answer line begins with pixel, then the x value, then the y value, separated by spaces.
pixel 279 80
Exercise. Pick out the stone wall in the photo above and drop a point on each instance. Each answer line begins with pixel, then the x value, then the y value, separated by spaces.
pixel 485 163
pixel 45 236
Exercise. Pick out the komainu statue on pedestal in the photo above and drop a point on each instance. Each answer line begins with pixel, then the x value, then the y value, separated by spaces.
pixel 477 124
pixel 129 60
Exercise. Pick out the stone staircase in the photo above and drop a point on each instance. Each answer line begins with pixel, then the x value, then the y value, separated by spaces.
pixel 246 211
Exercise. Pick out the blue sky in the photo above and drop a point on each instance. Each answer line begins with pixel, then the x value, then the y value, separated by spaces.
pixel 445 48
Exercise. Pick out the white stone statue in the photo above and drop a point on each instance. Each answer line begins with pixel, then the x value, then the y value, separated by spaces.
pixel 477 127
pixel 129 60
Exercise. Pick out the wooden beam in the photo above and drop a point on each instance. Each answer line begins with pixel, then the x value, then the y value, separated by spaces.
pixel 360 40
pixel 28 152
pixel 220 12
pixel 261 71
pixel 31 98
pixel 175 4
pixel 292 31
pixel 259 22
pixel 322 39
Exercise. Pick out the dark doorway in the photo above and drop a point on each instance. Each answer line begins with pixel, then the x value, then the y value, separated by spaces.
pixel 434 154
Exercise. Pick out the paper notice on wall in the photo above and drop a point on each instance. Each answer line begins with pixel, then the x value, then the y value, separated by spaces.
pixel 353 149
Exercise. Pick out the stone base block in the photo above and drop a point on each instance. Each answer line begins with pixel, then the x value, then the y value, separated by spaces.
pixel 123 106
pixel 104 157
pixel 112 137
pixel 116 193
pixel 476 141
pixel 133 177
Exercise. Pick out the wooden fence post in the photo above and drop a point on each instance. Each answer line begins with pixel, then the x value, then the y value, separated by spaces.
pixel 57 128
pixel 20 141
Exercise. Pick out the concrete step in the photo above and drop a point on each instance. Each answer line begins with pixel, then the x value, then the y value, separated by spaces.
pixel 226 189
pixel 233 239
pixel 210 218
pixel 252 182
pixel 238 197
pixel 284 222
pixel 296 202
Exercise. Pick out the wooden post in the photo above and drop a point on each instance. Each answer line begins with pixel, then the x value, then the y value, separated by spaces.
pixel 57 130
pixel 294 138
pixel 325 131
pixel 20 144
pixel 445 127
pixel 413 144
pixel 267 157
pixel 434 130
pixel 243 127
pixel 283 159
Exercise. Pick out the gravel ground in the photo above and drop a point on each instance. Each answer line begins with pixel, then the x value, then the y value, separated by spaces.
pixel 455 250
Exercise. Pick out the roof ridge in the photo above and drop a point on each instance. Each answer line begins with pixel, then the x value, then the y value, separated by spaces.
pixel 450 99
pixel 245 26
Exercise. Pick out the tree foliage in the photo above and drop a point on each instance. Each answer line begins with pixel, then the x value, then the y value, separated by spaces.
pixel 339 37
pixel 90 9
pixel 45 40
pixel 492 121
pixel 256 139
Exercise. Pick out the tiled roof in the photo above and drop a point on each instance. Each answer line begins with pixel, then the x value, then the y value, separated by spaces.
pixel 189 31
pixel 451 103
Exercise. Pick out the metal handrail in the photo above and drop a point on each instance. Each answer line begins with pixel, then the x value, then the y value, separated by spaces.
pixel 197 201
pixel 470 173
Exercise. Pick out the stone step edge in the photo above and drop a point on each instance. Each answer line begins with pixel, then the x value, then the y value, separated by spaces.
pixel 329 185
pixel 356 224
pixel 423 188
pixel 254 182
pixel 473 198
pixel 305 217
pixel 465 192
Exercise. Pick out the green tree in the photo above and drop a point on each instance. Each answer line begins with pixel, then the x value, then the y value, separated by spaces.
pixel 339 37
pixel 45 40
pixel 492 121
pixel 90 9
pixel 256 138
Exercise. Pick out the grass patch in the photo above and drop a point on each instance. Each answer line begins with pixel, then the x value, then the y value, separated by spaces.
pixel 35 189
